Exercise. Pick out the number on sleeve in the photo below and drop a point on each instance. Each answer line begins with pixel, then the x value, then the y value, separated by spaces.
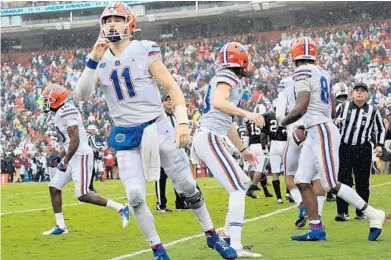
pixel 117 85
pixel 325 93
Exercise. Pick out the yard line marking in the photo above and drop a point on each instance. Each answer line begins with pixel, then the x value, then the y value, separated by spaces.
pixel 219 229
pixel 80 203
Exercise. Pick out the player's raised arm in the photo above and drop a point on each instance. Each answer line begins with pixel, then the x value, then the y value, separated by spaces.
pixel 88 79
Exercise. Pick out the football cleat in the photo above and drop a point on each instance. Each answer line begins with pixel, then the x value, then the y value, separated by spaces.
pixel 251 194
pixel 342 217
pixel 268 195
pixel 311 235
pixel 245 252
pixel 289 198
pixel 56 231
pixel 226 238
pixel 160 254
pixel 360 217
pixel 302 218
pixel 279 201
pixel 218 244
pixel 376 224
pixel 124 213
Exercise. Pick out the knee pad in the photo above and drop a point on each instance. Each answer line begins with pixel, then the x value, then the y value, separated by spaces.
pixel 196 201
pixel 135 197
pixel 186 186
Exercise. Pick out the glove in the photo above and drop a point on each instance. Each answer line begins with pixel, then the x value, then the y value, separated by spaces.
pixel 54 161
pixel 62 166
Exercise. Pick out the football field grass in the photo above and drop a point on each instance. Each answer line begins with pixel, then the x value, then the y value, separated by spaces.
pixel 96 232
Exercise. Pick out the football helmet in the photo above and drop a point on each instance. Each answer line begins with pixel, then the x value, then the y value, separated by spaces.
pixel 54 96
pixel 120 10
pixel 340 90
pixel 260 109
pixel 304 48
pixel 235 55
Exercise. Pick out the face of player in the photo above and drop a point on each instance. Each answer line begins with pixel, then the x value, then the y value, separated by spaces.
pixel 360 94
pixel 167 105
pixel 114 24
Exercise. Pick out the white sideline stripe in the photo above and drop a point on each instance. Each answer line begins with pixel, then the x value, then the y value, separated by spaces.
pixel 202 234
pixel 80 203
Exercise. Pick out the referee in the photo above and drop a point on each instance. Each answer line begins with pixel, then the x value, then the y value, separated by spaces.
pixel 97 148
pixel 160 186
pixel 357 121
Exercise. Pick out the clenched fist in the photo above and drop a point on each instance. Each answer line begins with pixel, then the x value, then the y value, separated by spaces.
pixel 182 135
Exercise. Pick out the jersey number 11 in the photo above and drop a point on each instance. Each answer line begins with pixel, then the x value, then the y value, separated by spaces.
pixel 117 85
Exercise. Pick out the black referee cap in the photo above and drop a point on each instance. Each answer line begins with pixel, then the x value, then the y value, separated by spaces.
pixel 165 96
pixel 361 85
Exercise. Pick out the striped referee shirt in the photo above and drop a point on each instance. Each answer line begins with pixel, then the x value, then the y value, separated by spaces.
pixel 95 146
pixel 360 123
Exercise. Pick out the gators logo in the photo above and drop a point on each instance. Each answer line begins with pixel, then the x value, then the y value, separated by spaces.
pixel 119 138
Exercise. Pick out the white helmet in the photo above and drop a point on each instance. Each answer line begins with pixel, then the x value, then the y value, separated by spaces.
pixel 340 89
pixel 260 109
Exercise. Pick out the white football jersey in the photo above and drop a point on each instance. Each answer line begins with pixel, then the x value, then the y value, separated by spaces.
pixel 67 116
pixel 130 90
pixel 286 102
pixel 314 79
pixel 212 118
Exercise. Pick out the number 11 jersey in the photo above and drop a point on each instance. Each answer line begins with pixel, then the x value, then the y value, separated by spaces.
pixel 130 90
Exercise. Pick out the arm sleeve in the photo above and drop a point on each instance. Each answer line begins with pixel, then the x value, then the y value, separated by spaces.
pixel 281 106
pixel 85 85
pixel 379 129
pixel 154 52
pixel 225 77
pixel 70 118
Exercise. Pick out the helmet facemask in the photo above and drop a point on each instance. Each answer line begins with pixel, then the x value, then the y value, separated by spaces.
pixel 113 35
pixel 47 101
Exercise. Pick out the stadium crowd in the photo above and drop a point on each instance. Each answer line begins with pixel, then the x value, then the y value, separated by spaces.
pixel 354 53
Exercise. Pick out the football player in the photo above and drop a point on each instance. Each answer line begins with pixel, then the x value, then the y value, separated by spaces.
pixel 128 71
pixel 256 144
pixel 222 101
pixel 277 135
pixel 76 160
pixel 319 154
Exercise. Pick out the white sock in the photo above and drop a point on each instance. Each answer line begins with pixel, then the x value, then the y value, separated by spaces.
pixel 369 211
pixel 204 218
pixel 350 196
pixel 226 226
pixel 321 200
pixel 60 222
pixel 296 195
pixel 236 208
pixel 144 218
pixel 114 205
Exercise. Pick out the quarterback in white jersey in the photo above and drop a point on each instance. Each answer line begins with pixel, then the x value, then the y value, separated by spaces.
pixel 222 100
pixel 142 135
pixel 285 103
pixel 75 161
pixel 319 154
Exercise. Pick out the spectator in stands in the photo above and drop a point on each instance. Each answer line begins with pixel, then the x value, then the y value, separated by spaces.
pixel 18 168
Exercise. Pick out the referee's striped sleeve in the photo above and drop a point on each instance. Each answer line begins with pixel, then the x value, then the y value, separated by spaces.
pixel 93 144
pixel 380 129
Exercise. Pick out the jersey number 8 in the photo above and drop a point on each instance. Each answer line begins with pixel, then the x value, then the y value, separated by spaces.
pixel 117 85
pixel 325 93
